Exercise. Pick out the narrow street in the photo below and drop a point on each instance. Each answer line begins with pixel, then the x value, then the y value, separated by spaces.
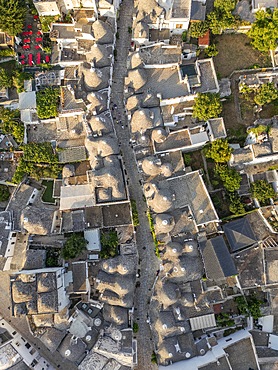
pixel 148 262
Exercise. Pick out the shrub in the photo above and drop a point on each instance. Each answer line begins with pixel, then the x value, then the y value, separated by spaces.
pixel 4 193
pixel 135 327
pixel 134 211
pixel 211 51
pixel 266 93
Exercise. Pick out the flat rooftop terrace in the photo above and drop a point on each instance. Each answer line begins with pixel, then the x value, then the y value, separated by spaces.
pixel 164 81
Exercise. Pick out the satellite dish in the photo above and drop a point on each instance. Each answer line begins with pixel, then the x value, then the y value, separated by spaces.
pixel 187 355
pixel 202 351
pixel 88 338
pixel 116 335
pixel 97 322
pixel 68 352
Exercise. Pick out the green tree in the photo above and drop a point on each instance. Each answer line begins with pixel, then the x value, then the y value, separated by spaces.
pixel 5 79
pixel 47 102
pixel 225 5
pixel 12 16
pixel 221 17
pixel 223 320
pixel 235 206
pixel 262 190
pixel 39 153
pixel 207 106
pixel 249 306
pixel 46 22
pixel 73 247
pixel 11 124
pixel 198 29
pixel 109 244
pixel 35 170
pixel 18 79
pixel 219 150
pixel 266 94
pixel 264 31
pixel 4 193
pixel 229 176
pixel 211 51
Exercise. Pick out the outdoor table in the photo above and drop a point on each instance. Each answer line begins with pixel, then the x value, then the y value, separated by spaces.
pixel 39 58
pixel 22 62
pixel 38 39
pixel 22 56
pixel 39 33
pixel 25 33
pixel 29 26
pixel 36 17
pixel 26 47
pixel 37 47
pixel 47 59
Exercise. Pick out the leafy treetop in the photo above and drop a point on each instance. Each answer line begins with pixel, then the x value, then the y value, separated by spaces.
pixel 229 176
pixel 219 150
pixel 264 31
pixel 10 123
pixel 235 206
pixel 12 16
pixel 73 247
pixel 39 153
pixel 266 94
pixel 109 244
pixel 221 17
pixel 198 29
pixel 37 171
pixel 262 190
pixel 207 106
pixel 4 193
pixel 47 102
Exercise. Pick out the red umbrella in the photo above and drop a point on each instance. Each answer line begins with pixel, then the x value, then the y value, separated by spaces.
pixel 30 59
pixel 37 47
pixel 29 26
pixel 39 58
pixel 22 62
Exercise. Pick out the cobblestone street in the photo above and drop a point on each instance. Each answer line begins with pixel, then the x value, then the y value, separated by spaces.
pixel 149 263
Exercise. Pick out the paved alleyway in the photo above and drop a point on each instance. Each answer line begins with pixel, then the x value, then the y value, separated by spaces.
pixel 149 263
